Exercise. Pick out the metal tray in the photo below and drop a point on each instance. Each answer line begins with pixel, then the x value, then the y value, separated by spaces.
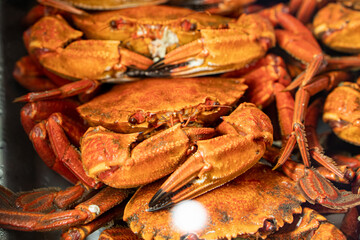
pixel 20 167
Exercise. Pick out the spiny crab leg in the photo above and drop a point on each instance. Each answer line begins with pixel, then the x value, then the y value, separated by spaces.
pixel 315 149
pixel 43 200
pixel 67 154
pixel 220 159
pixel 85 212
pixel 297 40
pixel 315 188
pixel 82 231
pixel 302 98
pixel 68 90
pixel 304 9
pixel 47 133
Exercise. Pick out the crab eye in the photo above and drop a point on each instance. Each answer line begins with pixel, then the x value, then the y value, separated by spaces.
pixel 137 118
pixel 188 26
pixel 117 24
pixel 113 24
pixel 133 120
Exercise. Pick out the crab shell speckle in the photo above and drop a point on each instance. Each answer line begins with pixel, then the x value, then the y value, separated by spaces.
pixel 159 96
pixel 239 208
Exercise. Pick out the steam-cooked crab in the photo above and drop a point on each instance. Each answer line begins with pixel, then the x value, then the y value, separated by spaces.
pixel 154 125
pixel 250 206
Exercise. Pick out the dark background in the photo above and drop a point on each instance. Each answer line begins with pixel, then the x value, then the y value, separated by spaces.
pixel 20 167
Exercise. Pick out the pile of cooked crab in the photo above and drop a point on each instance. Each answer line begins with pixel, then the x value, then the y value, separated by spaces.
pixel 146 105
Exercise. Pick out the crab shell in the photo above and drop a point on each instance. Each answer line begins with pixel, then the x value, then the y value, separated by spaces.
pixel 342 112
pixel 108 145
pixel 162 98
pixel 338 27
pixel 238 208
pixel 148 30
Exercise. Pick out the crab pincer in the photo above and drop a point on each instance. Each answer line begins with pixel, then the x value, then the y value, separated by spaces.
pixel 245 133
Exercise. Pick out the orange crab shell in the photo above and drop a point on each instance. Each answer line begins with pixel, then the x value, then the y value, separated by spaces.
pixel 238 208
pixel 161 96
pixel 56 36
pixel 342 112
pixel 137 27
pixel 338 27
pixel 311 224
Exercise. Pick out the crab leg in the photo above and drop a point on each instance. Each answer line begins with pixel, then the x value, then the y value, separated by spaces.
pixel 81 232
pixel 301 101
pixel 30 76
pixel 68 90
pixel 313 185
pixel 297 40
pixel 66 153
pixel 315 149
pixel 350 225
pixel 85 212
pixel 45 133
pixel 119 232
pixel 33 113
pixel 315 188
pixel 304 9
pixel 125 169
pixel 43 200
pixel 220 159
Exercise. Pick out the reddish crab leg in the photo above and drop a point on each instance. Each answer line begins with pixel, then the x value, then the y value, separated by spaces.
pixel 30 76
pixel 352 162
pixel 350 225
pixel 43 133
pixel 83 213
pixel 261 79
pixel 304 9
pixel 81 232
pixel 315 188
pixel 68 90
pixel 33 113
pixel 66 153
pixel 301 101
pixel 43 200
pixel 40 140
pixel 297 40
pixel 315 149
pixel 120 233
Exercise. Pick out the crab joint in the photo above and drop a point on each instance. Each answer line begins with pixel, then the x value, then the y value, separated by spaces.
pixel 94 209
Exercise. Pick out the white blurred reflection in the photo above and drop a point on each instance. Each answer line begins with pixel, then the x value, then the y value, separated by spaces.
pixel 189 216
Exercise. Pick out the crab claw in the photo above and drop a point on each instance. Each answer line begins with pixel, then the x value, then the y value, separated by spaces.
pixel 244 136
pixel 219 50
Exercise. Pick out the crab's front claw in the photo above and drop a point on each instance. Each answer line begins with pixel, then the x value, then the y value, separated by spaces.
pixel 244 136
pixel 59 49
pixel 219 50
